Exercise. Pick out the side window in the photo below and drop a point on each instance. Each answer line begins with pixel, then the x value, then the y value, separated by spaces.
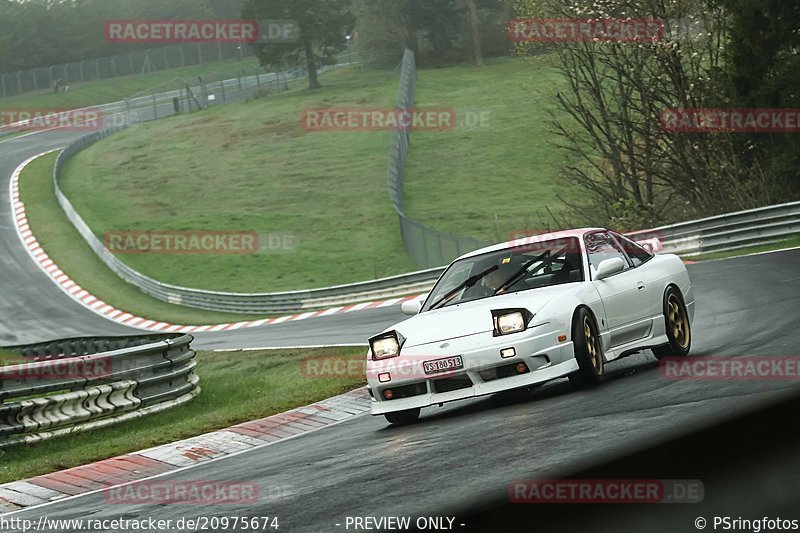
pixel 600 246
pixel 638 254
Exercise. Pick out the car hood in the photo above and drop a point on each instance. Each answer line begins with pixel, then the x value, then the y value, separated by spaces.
pixel 474 317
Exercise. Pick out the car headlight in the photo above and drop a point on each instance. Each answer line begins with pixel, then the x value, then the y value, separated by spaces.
pixel 507 321
pixel 386 345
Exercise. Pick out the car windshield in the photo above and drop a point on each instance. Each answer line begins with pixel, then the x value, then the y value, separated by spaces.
pixel 533 266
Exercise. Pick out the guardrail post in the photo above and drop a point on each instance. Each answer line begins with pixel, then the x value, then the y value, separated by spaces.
pixel 155 108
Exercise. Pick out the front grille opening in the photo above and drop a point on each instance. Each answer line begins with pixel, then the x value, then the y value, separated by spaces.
pixel 406 391
pixel 451 384
pixel 502 371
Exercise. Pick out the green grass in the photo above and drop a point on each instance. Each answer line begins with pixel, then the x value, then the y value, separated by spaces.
pixel 66 247
pixel 487 182
pixel 252 167
pixel 236 387
pixel 791 242
pixel 114 89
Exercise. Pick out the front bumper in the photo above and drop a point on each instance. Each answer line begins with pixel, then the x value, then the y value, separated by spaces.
pixel 484 372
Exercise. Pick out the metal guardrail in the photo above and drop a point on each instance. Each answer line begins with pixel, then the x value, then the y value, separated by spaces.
pixel 730 231
pixel 78 384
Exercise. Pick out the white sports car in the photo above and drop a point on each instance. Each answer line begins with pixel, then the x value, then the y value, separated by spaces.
pixel 528 311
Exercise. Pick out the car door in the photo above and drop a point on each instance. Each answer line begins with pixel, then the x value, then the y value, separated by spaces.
pixel 649 274
pixel 622 294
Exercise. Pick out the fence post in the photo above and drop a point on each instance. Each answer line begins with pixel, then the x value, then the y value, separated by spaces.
pixel 222 88
pixel 35 84
pixel 183 59
pixel 130 63
pixel 19 81
pixel 3 83
pixel 199 54
pixel 97 67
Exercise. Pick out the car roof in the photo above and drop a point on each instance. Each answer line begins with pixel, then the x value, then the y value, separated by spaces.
pixel 523 240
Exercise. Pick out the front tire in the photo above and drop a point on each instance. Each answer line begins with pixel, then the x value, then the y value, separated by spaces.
pixel 403 418
pixel 679 330
pixel 588 350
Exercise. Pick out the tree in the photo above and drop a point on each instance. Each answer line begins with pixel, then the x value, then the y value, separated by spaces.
pixel 323 26
pixel 765 72
pixel 474 23
pixel 631 170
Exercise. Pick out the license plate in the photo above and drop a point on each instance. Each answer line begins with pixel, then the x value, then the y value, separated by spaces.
pixel 443 365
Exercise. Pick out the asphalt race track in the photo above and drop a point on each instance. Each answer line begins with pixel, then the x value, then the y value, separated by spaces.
pixel 464 453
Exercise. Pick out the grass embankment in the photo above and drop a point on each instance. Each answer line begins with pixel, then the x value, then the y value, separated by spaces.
pixel 113 89
pixel 253 167
pixel 236 387
pixel 66 247
pixel 489 181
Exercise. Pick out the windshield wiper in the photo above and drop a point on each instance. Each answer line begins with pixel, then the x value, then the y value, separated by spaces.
pixel 466 284
pixel 513 279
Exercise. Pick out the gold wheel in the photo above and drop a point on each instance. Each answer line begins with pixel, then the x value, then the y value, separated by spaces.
pixel 678 322
pixel 592 347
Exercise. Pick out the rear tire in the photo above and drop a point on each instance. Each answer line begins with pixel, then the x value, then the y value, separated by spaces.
pixel 403 418
pixel 679 329
pixel 588 350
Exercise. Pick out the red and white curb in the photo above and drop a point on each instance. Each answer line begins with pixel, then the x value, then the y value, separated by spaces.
pixel 181 455
pixel 94 304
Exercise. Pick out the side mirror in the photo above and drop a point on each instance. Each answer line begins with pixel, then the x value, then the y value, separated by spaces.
pixel 609 267
pixel 412 307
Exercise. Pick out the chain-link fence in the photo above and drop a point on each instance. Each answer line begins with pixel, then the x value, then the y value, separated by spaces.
pixel 183 95
pixel 428 247
pixel 133 63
